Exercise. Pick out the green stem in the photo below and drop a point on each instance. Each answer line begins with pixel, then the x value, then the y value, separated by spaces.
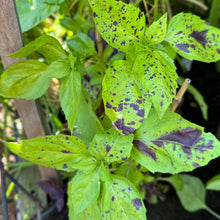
pixel 212 212
pixel 213 18
pixel 155 7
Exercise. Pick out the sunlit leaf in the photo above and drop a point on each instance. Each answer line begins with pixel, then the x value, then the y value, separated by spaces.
pixel 193 39
pixel 156 32
pixel 121 200
pixel 157 73
pixel 48 46
pixel 70 94
pixel 111 146
pixel 30 79
pixel 84 188
pixel 173 144
pixel 61 152
pixel 122 98
pixel 121 25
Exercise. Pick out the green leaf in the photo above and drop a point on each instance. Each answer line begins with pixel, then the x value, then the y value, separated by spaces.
pixel 193 39
pixel 87 124
pixel 61 152
pixel 214 183
pixel 33 12
pixel 84 188
pixel 48 46
pixel 122 98
pixel 91 213
pixel 156 33
pixel 174 180
pixel 192 196
pixel 121 25
pixel 173 144
pixel 81 46
pixel 25 79
pixel 198 97
pixel 30 79
pixel 158 77
pixel 111 146
pixel 121 200
pixel 69 95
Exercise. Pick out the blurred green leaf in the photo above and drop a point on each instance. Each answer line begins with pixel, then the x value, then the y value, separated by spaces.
pixel 214 183
pixel 32 12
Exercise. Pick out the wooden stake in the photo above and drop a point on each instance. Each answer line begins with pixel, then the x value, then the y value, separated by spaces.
pixel 180 94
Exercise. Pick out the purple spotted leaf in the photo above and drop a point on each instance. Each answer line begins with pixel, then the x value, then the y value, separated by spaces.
pixel 83 191
pixel 123 100
pixel 193 39
pixel 173 144
pixel 158 77
pixel 156 32
pixel 121 200
pixel 111 146
pixel 61 152
pixel 121 25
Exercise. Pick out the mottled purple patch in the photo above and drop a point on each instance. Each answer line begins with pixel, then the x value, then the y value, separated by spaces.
pixel 108 148
pixel 137 203
pixel 205 147
pixel 129 188
pixel 134 106
pixel 200 37
pixel 108 105
pixel 65 151
pixel 107 212
pixel 187 150
pixel 124 158
pixel 141 146
pixel 65 166
pixel 186 137
pixel 124 129
pixel 113 198
pixel 131 123
pixel 110 155
pixel 67 138
pixel 183 47
pixel 196 165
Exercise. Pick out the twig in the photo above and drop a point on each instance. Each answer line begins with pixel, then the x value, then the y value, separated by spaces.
pixel 99 42
pixel 169 11
pixel 180 94
pixel 200 4
pixel 147 11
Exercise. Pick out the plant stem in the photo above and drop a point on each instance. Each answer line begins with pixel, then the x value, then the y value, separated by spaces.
pixel 169 11
pixel 200 4
pixel 99 42
pixel 147 12
pixel 213 18
pixel 180 94
pixel 212 212
pixel 155 7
